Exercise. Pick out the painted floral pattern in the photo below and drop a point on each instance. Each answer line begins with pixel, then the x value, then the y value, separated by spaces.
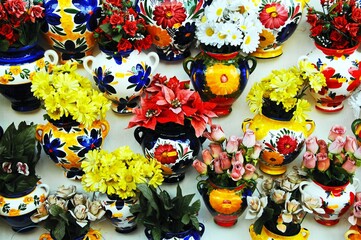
pixel 141 77
pixel 103 79
pixel 89 141
pixel 53 148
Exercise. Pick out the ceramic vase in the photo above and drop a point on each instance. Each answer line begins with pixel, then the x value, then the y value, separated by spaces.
pixel 353 233
pixel 279 21
pixel 17 208
pixel 66 142
pixel 185 235
pixel 91 235
pixel 225 204
pixel 69 27
pixel 122 76
pixel 175 146
pixel 118 212
pixel 336 200
pixel 219 77
pixel 266 234
pixel 17 65
pixel 356 129
pixel 341 68
pixel 171 25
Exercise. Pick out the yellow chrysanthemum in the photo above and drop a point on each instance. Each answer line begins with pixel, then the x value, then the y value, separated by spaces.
pixel 301 108
pixel 255 98
pixel 224 82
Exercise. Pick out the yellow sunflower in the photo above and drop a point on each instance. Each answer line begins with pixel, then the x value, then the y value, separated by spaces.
pixel 223 82
pixel 266 38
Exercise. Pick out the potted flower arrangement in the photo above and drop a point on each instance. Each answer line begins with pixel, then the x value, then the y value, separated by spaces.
pixel 331 167
pixel 354 219
pixel 335 31
pixel 230 168
pixel 67 215
pixel 279 209
pixel 281 119
pixel 75 113
pixel 122 37
pixel 166 217
pixel 20 189
pixel 171 120
pixel 117 174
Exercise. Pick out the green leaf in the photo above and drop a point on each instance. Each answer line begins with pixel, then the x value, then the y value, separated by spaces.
pixel 59 231
pixel 148 194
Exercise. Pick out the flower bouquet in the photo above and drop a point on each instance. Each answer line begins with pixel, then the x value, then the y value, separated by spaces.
pixel 229 165
pixel 67 214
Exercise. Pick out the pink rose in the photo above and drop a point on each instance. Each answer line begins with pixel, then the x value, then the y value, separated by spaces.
pixel 311 144
pixel 207 156
pixel 323 162
pixel 322 146
pixel 249 171
pixel 351 144
pixel 309 160
pixel 217 134
pixel 238 157
pixel 200 166
pixel 349 166
pixel 225 161
pixel 15 7
pixel 257 148
pixel 232 144
pixel 237 171
pixel 336 130
pixel 36 12
pixel 216 149
pixel 337 145
pixel 357 209
pixel 249 139
pixel 217 166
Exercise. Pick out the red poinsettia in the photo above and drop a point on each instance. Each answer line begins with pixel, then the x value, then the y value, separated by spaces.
pixel 170 100
pixel 337 25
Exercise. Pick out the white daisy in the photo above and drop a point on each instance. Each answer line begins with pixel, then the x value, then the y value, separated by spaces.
pixel 215 11
pixel 207 33
pixel 234 37
pixel 250 42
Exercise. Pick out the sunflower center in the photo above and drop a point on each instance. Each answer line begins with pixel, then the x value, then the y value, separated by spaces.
pixel 224 78
pixel 129 178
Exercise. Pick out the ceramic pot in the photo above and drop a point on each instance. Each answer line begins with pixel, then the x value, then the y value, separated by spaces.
pixel 282 140
pixel 118 212
pixel 175 146
pixel 189 234
pixel 171 25
pixel 17 208
pixel 356 129
pixel 279 21
pixel 69 27
pixel 219 78
pixel 122 76
pixel 267 234
pixel 66 143
pixel 341 68
pixel 225 204
pixel 91 235
pixel 336 200
pixel 353 233
pixel 17 65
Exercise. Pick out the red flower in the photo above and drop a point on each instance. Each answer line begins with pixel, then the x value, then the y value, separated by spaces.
pixel 340 23
pixel 116 19
pixel 356 15
pixel 166 154
pixel 169 13
pixel 316 30
pixel 124 45
pixel 144 43
pixel 353 29
pixel 15 7
pixel 286 145
pixel 273 15
pixel 7 31
pixel 36 12
pixel 130 28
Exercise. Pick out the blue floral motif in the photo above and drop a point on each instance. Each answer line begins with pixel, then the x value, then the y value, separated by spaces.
pixel 286 32
pixel 93 141
pixel 89 13
pixel 185 34
pixel 103 81
pixel 51 147
pixel 141 77
pixel 50 16
pixel 70 50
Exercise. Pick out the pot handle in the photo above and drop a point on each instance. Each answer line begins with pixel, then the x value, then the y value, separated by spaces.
pixel 311 125
pixel 246 123
pixel 185 65
pixel 201 186
pixel 148 233
pixel 51 56
pixel 105 127
pixel 305 233
pixel 88 64
pixel 351 232
pixel 139 134
pixel 356 183
pixel 39 132
pixel 153 57
pixel 202 228
pixel 45 187
pixel 356 129
pixel 302 184
pixel 253 65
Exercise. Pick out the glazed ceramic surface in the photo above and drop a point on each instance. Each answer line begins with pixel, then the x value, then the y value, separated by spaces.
pixel 353 233
pixel 267 235
pixel 66 144
pixel 69 26
pixel 122 76
pixel 336 200
pixel 172 25
pixel 219 78
pixel 191 234
pixel 341 68
pixel 356 129
pixel 282 141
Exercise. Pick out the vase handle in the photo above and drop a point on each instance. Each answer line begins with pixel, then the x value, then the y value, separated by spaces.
pixel 201 229
pixel 302 185
pixel 51 56
pixel 355 128
pixel 39 132
pixel 105 127
pixel 246 123
pixel 185 65
pixel 88 64
pixel 154 58
pixel 351 232
pixel 45 187
pixel 311 128
pixel 201 186
pixel 148 233
pixel 139 134
pixel 305 233
pixel 253 65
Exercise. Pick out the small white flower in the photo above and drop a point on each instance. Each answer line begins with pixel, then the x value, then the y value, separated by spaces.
pixel 250 42
pixel 80 213
pixel 22 168
pixel 312 204
pixel 66 192
pixel 255 206
pixel 216 10
pixel 355 103
pixel 7 167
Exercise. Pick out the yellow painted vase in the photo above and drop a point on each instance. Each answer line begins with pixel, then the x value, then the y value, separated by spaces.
pixel 267 234
pixel 353 233
pixel 282 140
pixel 66 143
pixel 70 26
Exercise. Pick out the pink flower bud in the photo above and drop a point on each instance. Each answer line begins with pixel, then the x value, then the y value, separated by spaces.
pixel 323 162
pixel 217 166
pixel 309 160
pixel 237 171
pixel 336 130
pixel 216 149
pixel 238 157
pixel 249 171
pixel 232 144
pixel 257 148
pixel 225 161
pixel 351 144
pixel 249 138
pixel 200 166
pixel 216 133
pixel 322 146
pixel 207 156
pixel 349 166
pixel 312 145
pixel 337 145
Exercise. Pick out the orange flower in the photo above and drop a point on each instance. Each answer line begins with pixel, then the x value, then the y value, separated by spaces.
pixel 225 201
pixel 2 201
pixel 160 37
pixel 266 38
pixel 14 212
pixel 28 199
pixel 42 198
pixel 273 158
